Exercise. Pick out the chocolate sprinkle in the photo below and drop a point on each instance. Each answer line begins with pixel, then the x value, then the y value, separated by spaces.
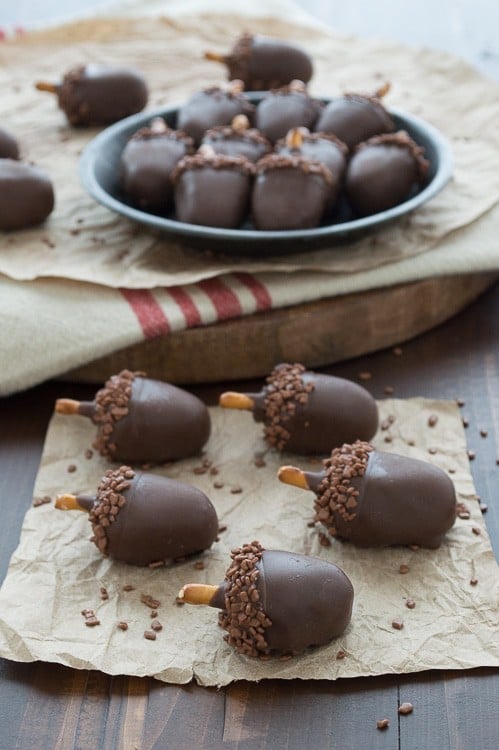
pixel 109 502
pixel 406 708
pixel 337 497
pixel 285 390
pixel 243 617
pixel 111 405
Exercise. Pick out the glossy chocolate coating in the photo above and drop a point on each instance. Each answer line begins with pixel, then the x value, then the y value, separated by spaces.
pixel 382 173
pixel 283 109
pixel 401 501
pixel 9 148
pixel 229 142
pixel 308 600
pixel 209 108
pixel 100 94
pixel 162 519
pixel 214 193
pixel 322 148
pixel 289 193
pixel 354 118
pixel 27 195
pixel 146 165
pixel 337 411
pixel 163 423
pixel 265 63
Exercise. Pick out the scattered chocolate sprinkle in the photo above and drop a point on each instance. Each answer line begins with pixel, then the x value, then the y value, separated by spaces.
pixel 476 530
pixel 432 420
pixel 104 594
pixel 324 540
pixel 471 455
pixel 89 453
pixel 149 601
pixel 199 470
pixel 397 351
pixel 199 565
pixel 259 461
pixel 484 508
pixel 411 443
pixel 156 564
pixel 243 617
pixel 406 708
pixel 473 581
pixel 218 485
pixel 222 528
pixel 432 451
pixel 336 500
pixel 37 501
pixel 341 654
pixel 123 625
pixel 397 624
pixel 451 471
pixel 90 619
pixel 285 391
pixel 153 613
pixel 460 402
pixel 214 471
pixel 403 569
pixel 179 602
pixel 128 587
pixel 156 625
pixel 497 461
pixel 464 514
pixel 111 405
pixel 109 501
pixel 71 468
pixel 236 489
pixel 149 635
pixel 385 424
pixel 410 604
pixel 311 524
pixel 389 390
pixel 388 439
pixel 382 723
pixel 466 422
pixel 483 433
pixel 366 375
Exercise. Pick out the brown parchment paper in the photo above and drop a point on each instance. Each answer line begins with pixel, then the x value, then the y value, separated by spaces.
pixel 86 242
pixel 56 572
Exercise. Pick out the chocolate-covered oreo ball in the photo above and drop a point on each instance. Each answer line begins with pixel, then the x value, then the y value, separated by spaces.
pixel 265 63
pixel 383 172
pixel 144 519
pixel 237 139
pixel 27 195
pixel 322 147
pixel 377 499
pixel 211 107
pixel 276 602
pixel 285 108
pixel 146 165
pixel 290 192
pixel 212 189
pixel 141 420
pixel 99 94
pixel 9 148
pixel 307 412
pixel 354 117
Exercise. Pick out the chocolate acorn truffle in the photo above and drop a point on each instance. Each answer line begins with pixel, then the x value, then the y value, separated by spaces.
pixel 290 192
pixel 212 189
pixel 9 148
pixel 322 147
pixel 144 519
pixel 213 106
pixel 237 139
pixel 27 195
pixel 307 412
pixel 285 108
pixel 265 63
pixel 147 162
pixel 99 94
pixel 355 117
pixel 141 420
pixel 383 172
pixel 377 499
pixel 277 602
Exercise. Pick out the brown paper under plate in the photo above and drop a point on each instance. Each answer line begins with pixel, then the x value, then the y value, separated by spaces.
pixel 55 572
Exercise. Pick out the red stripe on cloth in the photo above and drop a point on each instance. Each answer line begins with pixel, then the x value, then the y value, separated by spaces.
pixel 224 300
pixel 184 301
pixel 257 289
pixel 151 317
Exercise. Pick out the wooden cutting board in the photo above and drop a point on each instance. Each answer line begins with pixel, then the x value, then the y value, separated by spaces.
pixel 316 334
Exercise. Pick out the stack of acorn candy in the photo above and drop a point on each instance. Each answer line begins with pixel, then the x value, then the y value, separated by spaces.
pixel 271 601
pixel 288 162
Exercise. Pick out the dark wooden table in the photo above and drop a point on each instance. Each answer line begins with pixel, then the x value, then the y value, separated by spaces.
pixel 49 707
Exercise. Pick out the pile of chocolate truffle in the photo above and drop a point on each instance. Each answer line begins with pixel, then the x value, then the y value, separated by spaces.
pixel 271 601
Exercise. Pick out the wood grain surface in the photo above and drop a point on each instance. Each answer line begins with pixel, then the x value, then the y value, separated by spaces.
pixel 49 706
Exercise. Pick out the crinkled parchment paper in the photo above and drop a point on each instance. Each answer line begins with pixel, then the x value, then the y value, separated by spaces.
pixel 56 572
pixel 86 242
